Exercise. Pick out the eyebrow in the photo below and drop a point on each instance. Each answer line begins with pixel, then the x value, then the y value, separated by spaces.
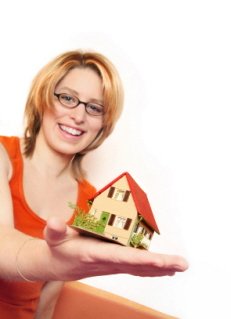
pixel 72 91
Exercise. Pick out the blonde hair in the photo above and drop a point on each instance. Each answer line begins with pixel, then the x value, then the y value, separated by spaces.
pixel 41 97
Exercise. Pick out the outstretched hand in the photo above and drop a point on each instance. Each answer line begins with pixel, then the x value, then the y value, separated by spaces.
pixel 75 256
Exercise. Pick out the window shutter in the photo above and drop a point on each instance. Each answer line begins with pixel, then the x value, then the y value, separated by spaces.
pixel 128 223
pixel 111 220
pixel 126 196
pixel 111 191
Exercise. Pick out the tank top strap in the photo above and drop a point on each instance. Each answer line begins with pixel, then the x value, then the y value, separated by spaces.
pixel 11 144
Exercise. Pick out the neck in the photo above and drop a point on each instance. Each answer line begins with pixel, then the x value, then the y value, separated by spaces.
pixel 48 162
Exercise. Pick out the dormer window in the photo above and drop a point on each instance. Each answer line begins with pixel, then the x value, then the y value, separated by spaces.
pixel 119 194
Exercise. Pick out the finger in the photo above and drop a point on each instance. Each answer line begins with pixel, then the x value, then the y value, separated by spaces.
pixel 55 231
pixel 170 262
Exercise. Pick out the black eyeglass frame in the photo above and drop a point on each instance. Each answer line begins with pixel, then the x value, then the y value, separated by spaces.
pixel 78 103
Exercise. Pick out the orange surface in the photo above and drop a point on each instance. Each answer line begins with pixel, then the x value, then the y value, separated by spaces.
pixel 79 300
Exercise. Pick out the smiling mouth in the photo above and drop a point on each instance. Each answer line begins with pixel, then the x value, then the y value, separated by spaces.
pixel 70 130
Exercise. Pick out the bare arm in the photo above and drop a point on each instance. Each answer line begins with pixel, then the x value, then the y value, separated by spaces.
pixel 6 211
pixel 51 290
pixel 48 299
pixel 64 255
pixel 87 257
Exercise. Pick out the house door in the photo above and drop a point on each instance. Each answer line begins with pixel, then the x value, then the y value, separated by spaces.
pixel 103 222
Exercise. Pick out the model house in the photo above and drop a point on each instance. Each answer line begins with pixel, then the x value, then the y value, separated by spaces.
pixel 122 213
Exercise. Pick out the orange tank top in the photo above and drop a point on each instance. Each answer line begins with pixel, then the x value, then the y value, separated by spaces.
pixel 19 300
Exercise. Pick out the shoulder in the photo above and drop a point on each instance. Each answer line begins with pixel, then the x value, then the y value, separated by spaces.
pixel 7 148
pixel 10 143
pixel 5 164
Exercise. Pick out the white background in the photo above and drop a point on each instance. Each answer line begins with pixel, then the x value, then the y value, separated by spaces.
pixel 173 137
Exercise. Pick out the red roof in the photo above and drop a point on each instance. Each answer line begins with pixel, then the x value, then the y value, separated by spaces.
pixel 140 199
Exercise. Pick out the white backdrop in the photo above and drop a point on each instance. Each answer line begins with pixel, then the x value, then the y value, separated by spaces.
pixel 173 137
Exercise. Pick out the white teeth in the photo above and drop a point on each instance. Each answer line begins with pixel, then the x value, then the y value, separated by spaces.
pixel 70 130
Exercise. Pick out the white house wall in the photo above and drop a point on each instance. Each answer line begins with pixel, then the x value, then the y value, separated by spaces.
pixel 119 208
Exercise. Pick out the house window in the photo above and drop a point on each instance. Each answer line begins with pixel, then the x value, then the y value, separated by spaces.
pixel 140 230
pixel 119 222
pixel 148 235
pixel 119 194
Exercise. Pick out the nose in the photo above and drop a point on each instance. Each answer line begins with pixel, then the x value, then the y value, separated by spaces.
pixel 79 113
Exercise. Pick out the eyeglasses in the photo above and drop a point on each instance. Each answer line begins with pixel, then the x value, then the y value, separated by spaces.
pixel 70 102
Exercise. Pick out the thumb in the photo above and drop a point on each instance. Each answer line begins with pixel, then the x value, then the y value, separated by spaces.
pixel 55 231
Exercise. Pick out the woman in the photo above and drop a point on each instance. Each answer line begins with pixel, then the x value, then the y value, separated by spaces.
pixel 73 105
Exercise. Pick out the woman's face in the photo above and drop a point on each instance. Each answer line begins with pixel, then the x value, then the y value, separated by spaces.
pixel 69 131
